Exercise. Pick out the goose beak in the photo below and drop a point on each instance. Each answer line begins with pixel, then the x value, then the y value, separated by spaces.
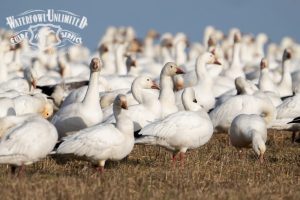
pixel 217 62
pixel 179 71
pixel 155 86
pixel 124 105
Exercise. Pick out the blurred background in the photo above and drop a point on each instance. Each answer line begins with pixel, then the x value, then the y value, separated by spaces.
pixel 276 18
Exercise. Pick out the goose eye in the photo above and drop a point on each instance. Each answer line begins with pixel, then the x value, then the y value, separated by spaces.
pixel 148 79
pixel 171 66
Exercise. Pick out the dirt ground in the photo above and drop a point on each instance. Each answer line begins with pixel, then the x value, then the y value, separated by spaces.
pixel 214 171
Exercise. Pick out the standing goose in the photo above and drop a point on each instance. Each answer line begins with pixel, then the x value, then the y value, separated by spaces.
pixel 285 84
pixel 180 131
pixel 79 115
pixel 25 140
pixel 103 142
pixel 249 129
pixel 265 83
pixel 166 96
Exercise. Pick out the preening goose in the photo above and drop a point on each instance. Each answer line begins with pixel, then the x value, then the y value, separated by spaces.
pixel 81 115
pixel 105 141
pixel 249 129
pixel 180 131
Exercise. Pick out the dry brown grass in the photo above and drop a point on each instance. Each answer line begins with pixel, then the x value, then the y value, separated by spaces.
pixel 213 171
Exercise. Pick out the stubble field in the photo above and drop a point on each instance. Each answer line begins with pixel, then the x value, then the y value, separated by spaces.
pixel 214 171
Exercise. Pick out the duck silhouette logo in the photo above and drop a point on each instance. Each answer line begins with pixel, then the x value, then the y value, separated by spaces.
pixel 47 28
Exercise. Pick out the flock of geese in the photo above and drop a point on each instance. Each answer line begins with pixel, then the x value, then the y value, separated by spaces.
pixel 161 90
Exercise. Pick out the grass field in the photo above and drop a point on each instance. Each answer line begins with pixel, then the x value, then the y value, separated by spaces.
pixel 214 171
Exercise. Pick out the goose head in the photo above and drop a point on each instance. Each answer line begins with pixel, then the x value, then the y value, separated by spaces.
pixel 96 65
pixel 259 147
pixel 171 69
pixel 237 37
pixel 130 62
pixel 263 64
pixel 152 34
pixel 103 48
pixel 167 40
pixel 47 111
pixel 287 54
pixel 209 58
pixel 120 102
pixel 145 82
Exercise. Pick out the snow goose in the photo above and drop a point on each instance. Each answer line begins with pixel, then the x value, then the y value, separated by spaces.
pixel 285 84
pixel 249 129
pixel 242 86
pixel 259 104
pixel 166 95
pixel 103 142
pixel 148 109
pixel 265 82
pixel 37 103
pixel 80 115
pixel 287 111
pixel 204 84
pixel 180 131
pixel 236 68
pixel 25 85
pixel 26 140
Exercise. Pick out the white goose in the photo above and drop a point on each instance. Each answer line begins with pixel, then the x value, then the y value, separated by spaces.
pixel 103 142
pixel 265 83
pixel 25 85
pixel 166 96
pixel 285 84
pixel 249 129
pixel 180 131
pixel 18 144
pixel 259 104
pixel 80 115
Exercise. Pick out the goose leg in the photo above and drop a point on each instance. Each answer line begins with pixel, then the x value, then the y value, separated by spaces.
pixel 21 170
pixel 181 158
pixel 293 137
pixel 13 169
pixel 100 168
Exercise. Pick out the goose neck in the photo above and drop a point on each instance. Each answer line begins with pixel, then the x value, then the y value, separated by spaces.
pixel 236 55
pixel 166 92
pixel 92 94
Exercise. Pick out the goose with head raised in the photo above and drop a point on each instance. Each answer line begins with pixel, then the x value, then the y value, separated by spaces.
pixel 83 114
